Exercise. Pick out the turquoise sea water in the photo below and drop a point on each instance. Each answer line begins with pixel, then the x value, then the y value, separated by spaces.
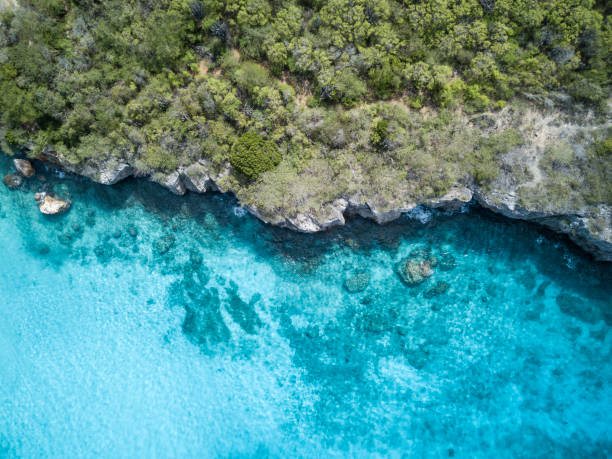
pixel 146 325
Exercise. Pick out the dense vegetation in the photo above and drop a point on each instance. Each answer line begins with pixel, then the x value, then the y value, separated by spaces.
pixel 163 83
pixel 252 155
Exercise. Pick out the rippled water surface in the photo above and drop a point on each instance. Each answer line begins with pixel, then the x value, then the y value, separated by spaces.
pixel 141 324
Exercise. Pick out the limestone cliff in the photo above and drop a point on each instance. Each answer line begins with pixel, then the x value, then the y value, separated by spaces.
pixel 542 180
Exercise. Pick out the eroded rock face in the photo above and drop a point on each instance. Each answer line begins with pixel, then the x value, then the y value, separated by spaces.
pixel 454 199
pixel 593 232
pixel 174 183
pixel 307 210
pixel 329 215
pixel 196 178
pixel 24 167
pixel 115 174
pixel 590 228
pixel 12 181
pixel 51 205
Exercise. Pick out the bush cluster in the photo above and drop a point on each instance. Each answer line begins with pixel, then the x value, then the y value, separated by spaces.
pixel 251 155
pixel 165 83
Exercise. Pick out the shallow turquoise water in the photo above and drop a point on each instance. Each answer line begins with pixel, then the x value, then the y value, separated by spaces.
pixel 141 324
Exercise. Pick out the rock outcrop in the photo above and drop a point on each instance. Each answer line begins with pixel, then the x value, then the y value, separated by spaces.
pixel 115 173
pixel 357 282
pixel 196 178
pixel 439 288
pixel 24 167
pixel 174 183
pixel 590 228
pixel 12 181
pixel 414 270
pixel 513 193
pixel 333 213
pixel 51 205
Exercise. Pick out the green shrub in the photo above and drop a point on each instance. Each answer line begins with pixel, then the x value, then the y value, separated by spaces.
pixel 171 82
pixel 351 88
pixel 416 103
pixel 485 159
pixel 603 148
pixel 587 91
pixel 51 7
pixel 250 75
pixel 476 101
pixel 380 134
pixel 385 79
pixel 154 157
pixel 251 155
pixel 10 137
pixel 557 156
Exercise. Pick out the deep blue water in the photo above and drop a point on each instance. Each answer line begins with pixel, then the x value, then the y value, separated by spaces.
pixel 142 324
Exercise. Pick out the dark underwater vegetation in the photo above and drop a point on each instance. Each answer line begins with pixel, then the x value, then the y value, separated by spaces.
pixel 141 323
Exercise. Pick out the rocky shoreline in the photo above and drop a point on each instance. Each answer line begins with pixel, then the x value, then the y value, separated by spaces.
pixel 197 178
pixel 530 158
pixel 538 181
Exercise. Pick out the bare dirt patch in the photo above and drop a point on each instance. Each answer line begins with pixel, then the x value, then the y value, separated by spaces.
pixel 203 67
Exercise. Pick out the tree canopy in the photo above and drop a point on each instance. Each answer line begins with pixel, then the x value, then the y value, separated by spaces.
pixel 165 82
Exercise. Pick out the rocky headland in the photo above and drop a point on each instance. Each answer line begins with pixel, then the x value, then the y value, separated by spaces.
pixel 317 122
pixel 537 181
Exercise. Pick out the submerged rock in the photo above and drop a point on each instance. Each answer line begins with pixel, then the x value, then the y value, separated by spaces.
pixel 414 270
pixel 243 313
pixel 90 220
pixel 541 291
pixel 422 252
pixel 203 323
pixel 357 283
pixel 44 249
pixel 65 239
pixel 164 244
pixel 132 231
pixel 527 279
pixel 379 319
pixel 24 167
pixel 196 259
pixel 418 357
pixel 12 181
pixel 575 306
pixel 447 262
pixel 50 205
pixel 105 252
pixel 366 300
pixel 534 310
pixel 439 288
pixel 210 221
